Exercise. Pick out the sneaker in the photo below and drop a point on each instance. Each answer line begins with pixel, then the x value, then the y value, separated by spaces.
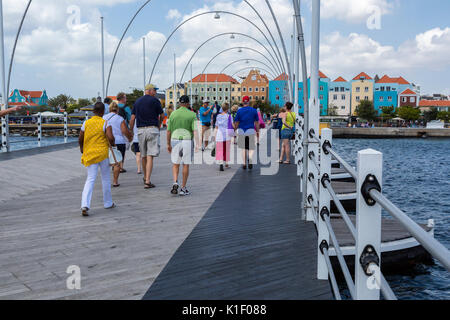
pixel 84 212
pixel 175 188
pixel 112 207
pixel 250 166
pixel 184 192
pixel 221 168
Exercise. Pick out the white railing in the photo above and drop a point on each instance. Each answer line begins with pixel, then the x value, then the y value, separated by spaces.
pixel 369 281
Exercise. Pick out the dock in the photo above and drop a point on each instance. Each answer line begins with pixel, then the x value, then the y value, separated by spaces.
pixel 238 236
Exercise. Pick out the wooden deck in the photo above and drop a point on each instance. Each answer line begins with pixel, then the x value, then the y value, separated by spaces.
pixel 250 245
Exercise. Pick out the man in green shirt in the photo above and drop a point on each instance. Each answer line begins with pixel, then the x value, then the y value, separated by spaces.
pixel 181 132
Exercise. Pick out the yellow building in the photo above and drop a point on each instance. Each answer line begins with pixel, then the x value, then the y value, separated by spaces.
pixel 362 89
pixel 236 94
pixel 172 99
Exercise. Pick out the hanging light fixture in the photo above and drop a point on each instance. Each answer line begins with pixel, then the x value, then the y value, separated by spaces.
pixel 232 36
pixel 217 16
pixel 240 50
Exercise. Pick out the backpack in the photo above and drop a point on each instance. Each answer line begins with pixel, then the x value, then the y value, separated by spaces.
pixel 277 123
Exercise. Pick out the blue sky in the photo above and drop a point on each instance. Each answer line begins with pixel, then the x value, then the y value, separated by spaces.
pixel 413 41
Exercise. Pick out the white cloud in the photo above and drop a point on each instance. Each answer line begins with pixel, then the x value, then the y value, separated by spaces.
pixel 354 11
pixel 173 14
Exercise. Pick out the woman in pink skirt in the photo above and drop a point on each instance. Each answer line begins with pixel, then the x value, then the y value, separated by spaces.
pixel 225 132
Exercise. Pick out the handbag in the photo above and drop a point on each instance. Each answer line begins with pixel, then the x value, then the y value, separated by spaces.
pixel 115 157
pixel 293 129
pixel 262 124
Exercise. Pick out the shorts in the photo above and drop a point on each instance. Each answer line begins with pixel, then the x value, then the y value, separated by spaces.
pixel 247 142
pixel 149 141
pixel 286 134
pixel 182 151
pixel 206 124
pixel 135 147
pixel 122 148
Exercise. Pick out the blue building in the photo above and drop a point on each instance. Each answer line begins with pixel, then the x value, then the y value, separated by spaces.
pixel 279 92
pixel 387 90
pixel 28 98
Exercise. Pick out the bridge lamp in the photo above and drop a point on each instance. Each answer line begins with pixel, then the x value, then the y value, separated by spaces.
pixel 217 16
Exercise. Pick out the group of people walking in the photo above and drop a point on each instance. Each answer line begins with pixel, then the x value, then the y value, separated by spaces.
pixel 114 127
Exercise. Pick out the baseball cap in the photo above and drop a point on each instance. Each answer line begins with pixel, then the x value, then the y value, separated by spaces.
pixel 206 101
pixel 151 86
pixel 184 99
pixel 245 99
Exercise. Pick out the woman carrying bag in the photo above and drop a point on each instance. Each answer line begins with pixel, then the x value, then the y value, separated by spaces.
pixel 95 139
pixel 287 131
pixel 224 134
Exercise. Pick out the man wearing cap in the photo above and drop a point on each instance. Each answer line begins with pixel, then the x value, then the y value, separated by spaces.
pixel 205 119
pixel 181 132
pixel 247 125
pixel 148 115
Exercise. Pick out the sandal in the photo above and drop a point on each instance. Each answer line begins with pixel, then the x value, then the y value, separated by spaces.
pixel 123 171
pixel 286 162
pixel 149 186
pixel 116 185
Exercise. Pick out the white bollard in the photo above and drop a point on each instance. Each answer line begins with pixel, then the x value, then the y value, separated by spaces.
pixel 5 134
pixel 368 225
pixel 324 204
pixel 66 127
pixel 39 129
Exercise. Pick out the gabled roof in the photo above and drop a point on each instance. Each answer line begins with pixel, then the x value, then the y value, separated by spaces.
pixel 281 77
pixel 408 91
pixel 387 79
pixel 179 86
pixel 32 94
pixel 434 103
pixel 213 77
pixel 322 75
pixel 340 79
pixel 362 75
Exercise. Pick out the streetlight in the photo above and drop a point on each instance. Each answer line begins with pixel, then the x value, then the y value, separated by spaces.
pixel 232 36
pixel 240 50
pixel 217 16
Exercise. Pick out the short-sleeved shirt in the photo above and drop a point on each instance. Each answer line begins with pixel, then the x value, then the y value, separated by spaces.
pixel 246 116
pixel 147 110
pixel 115 121
pixel 182 124
pixel 207 118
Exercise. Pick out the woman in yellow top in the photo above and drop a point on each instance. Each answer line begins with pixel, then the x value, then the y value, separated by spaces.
pixel 287 131
pixel 95 137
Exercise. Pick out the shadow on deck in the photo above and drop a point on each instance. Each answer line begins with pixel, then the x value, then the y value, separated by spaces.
pixel 250 245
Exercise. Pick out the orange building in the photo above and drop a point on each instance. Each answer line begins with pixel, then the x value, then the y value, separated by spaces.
pixel 255 86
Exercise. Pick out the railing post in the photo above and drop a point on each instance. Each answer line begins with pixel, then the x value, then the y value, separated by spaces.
pixel 66 127
pixel 86 117
pixel 324 203
pixel 298 149
pixel 39 129
pixel 368 225
pixel 5 134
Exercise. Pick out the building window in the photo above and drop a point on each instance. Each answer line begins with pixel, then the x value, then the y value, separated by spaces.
pixel 277 89
pixel 232 89
pixel 232 98
pixel 343 108
pixel 244 89
pixel 357 98
pixel 203 89
pixel 256 89
pixel 335 97
pixel 321 97
pixel 382 89
pixel 277 97
pixel 239 89
pixel 358 89
pixel 381 99
pixel 220 98
pixel 196 90
pixel 220 89
pixel 263 98
pixel 366 98
pixel 250 89
pixel 256 98
pixel 404 99
pixel 251 98
pixel 226 89
pixel 342 89
pixel 343 97
pixel 171 95
pixel 321 88
pixel 226 98
pixel 412 99
pixel 389 99
pixel 366 89
pixel 263 89
pixel 388 88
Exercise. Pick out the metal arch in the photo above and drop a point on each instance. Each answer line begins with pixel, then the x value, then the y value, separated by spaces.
pixel 120 43
pixel 15 45
pixel 236 61
pixel 223 51
pixel 198 15
pixel 283 45
pixel 263 69
pixel 223 34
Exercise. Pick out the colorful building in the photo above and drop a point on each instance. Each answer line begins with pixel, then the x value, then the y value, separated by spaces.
pixel 362 89
pixel 408 98
pixel 25 98
pixel 236 94
pixel 213 86
pixel 279 91
pixel 255 86
pixel 438 105
pixel 387 91
pixel 173 98
pixel 339 97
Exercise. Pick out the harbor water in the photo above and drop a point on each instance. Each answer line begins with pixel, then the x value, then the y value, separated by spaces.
pixel 22 143
pixel 416 177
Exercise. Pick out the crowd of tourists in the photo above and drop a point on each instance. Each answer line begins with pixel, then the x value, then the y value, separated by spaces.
pixel 114 128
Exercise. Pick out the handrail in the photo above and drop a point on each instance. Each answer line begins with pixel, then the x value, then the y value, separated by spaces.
pixel 334 284
pixel 434 247
pixel 344 163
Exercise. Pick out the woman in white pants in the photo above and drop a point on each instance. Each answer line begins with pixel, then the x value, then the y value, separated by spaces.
pixel 95 138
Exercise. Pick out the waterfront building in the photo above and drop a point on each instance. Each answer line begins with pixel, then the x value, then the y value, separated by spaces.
pixel 279 90
pixel 172 96
pixel 408 98
pixel 387 91
pixel 26 98
pixel 255 86
pixel 214 86
pixel 438 105
pixel 339 97
pixel 362 89
pixel 236 93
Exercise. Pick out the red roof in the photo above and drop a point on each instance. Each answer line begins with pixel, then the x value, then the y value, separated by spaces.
pixel 213 77
pixel 408 91
pixel 33 94
pixel 322 75
pixel 362 75
pixel 340 79
pixel 434 103
pixel 282 76
pixel 113 98
pixel 22 104
pixel 387 79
